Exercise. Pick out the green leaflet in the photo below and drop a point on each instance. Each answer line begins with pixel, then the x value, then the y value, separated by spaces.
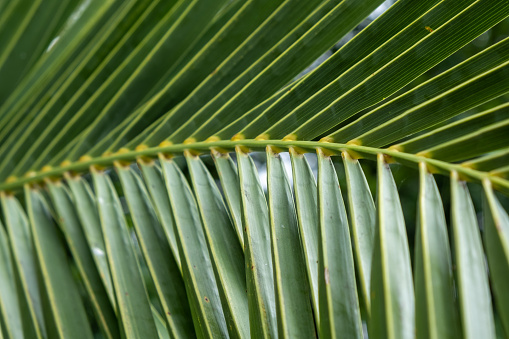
pixel 174 49
pixel 362 224
pixel 88 214
pixel 339 304
pixel 502 172
pixel 25 267
pixel 482 141
pixel 82 254
pixel 31 39
pixel 329 26
pixel 471 277
pixel 30 123
pixel 233 128
pixel 131 295
pixel 258 261
pixel 227 171
pixel 293 306
pixel 472 77
pixel 164 270
pixel 455 132
pixel 203 65
pixel 392 298
pixel 9 305
pixel 67 310
pixel 471 93
pixel 490 161
pixel 306 202
pixel 497 250
pixel 280 31
pixel 225 251
pixel 72 39
pixel 435 310
pixel 201 289
pixel 429 51
pixel 356 60
pixel 104 82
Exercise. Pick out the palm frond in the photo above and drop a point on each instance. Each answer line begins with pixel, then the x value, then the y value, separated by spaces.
pixel 134 205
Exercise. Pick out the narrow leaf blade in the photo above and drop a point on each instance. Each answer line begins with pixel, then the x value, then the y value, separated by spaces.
pixel 225 251
pixel 293 306
pixel 434 291
pixel 497 250
pixel 82 254
pixel 392 298
pixel 307 211
pixel 68 312
pixel 202 293
pixel 339 304
pixel 259 273
pixel 131 295
pixel 163 268
pixel 471 273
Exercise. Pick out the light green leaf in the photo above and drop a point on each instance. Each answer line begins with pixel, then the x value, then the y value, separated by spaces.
pixel 497 250
pixel 164 270
pixel 471 271
pixel 293 304
pixel 259 271
pixel 435 311
pixel 82 254
pixel 225 251
pixel 362 224
pixel 160 324
pixel 306 202
pixel 339 304
pixel 88 214
pixel 131 295
pixel 227 171
pixel 25 267
pixel 9 300
pixel 197 269
pixel 161 203
pixel 392 297
pixel 67 310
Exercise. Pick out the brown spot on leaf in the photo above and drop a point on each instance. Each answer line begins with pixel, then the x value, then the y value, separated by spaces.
pixel 206 299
